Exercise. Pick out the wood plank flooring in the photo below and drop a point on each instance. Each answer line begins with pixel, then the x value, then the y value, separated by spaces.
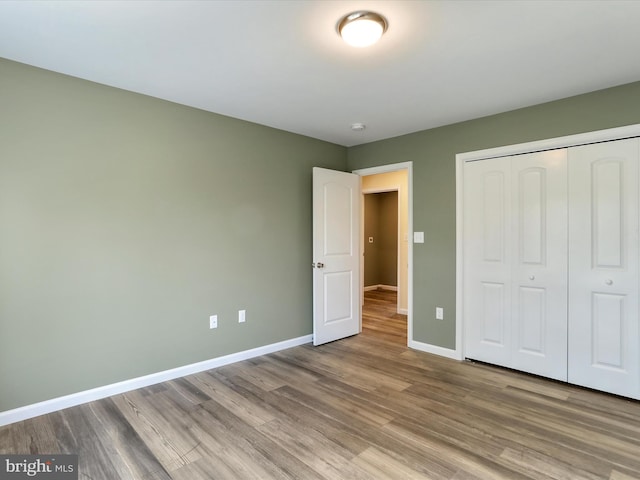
pixel 379 316
pixel 365 407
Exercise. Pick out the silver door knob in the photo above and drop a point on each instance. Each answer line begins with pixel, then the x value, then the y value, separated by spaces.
pixel 532 277
pixel 608 281
pixel 319 265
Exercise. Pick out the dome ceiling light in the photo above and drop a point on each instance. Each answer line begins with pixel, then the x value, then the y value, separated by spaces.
pixel 361 29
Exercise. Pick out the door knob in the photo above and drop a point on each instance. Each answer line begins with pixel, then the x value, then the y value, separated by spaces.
pixel 319 265
pixel 608 281
pixel 532 277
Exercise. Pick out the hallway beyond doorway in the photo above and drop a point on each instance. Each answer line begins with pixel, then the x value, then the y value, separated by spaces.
pixel 379 317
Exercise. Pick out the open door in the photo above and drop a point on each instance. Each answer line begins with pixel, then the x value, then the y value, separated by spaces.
pixel 336 255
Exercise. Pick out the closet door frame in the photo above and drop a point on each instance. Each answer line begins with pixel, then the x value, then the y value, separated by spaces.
pixel 509 150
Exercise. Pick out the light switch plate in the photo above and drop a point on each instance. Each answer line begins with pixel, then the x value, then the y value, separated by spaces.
pixel 418 237
pixel 439 313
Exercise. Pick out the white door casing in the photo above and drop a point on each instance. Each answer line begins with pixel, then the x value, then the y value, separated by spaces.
pixel 604 337
pixel 336 255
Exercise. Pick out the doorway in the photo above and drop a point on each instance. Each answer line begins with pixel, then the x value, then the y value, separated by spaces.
pixel 380 317
pixel 392 179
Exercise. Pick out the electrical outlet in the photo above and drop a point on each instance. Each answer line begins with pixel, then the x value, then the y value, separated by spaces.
pixel 439 313
pixel 242 316
pixel 213 321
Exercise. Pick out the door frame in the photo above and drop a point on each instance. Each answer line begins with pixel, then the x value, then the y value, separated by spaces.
pixel 504 151
pixel 394 167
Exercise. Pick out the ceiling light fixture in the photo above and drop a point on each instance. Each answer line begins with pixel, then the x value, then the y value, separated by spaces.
pixel 361 29
pixel 358 127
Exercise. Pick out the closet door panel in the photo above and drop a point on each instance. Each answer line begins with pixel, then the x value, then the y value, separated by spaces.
pixel 604 337
pixel 531 321
pixel 608 330
pixel 539 267
pixel 487 224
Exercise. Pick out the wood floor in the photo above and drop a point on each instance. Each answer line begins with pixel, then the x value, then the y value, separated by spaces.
pixel 365 407
pixel 379 317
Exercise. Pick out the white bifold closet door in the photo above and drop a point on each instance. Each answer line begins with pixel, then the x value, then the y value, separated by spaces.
pixel 515 230
pixel 487 254
pixel 604 338
pixel 539 273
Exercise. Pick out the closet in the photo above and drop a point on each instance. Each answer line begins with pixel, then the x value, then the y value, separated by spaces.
pixel 550 251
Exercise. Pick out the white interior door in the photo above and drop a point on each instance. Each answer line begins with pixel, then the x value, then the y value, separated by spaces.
pixel 604 338
pixel 336 255
pixel 487 260
pixel 539 273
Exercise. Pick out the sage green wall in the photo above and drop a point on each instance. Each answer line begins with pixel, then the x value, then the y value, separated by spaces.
pixel 433 155
pixel 125 221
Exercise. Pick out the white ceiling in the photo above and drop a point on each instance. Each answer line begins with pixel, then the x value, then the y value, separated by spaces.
pixel 282 64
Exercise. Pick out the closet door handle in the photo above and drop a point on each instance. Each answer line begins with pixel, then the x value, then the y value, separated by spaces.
pixel 608 281
pixel 532 277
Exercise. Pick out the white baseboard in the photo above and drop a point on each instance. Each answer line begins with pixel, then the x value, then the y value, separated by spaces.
pixel 60 403
pixel 381 287
pixel 436 350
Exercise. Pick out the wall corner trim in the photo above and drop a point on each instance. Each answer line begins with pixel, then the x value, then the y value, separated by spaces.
pixel 60 403
pixel 436 350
